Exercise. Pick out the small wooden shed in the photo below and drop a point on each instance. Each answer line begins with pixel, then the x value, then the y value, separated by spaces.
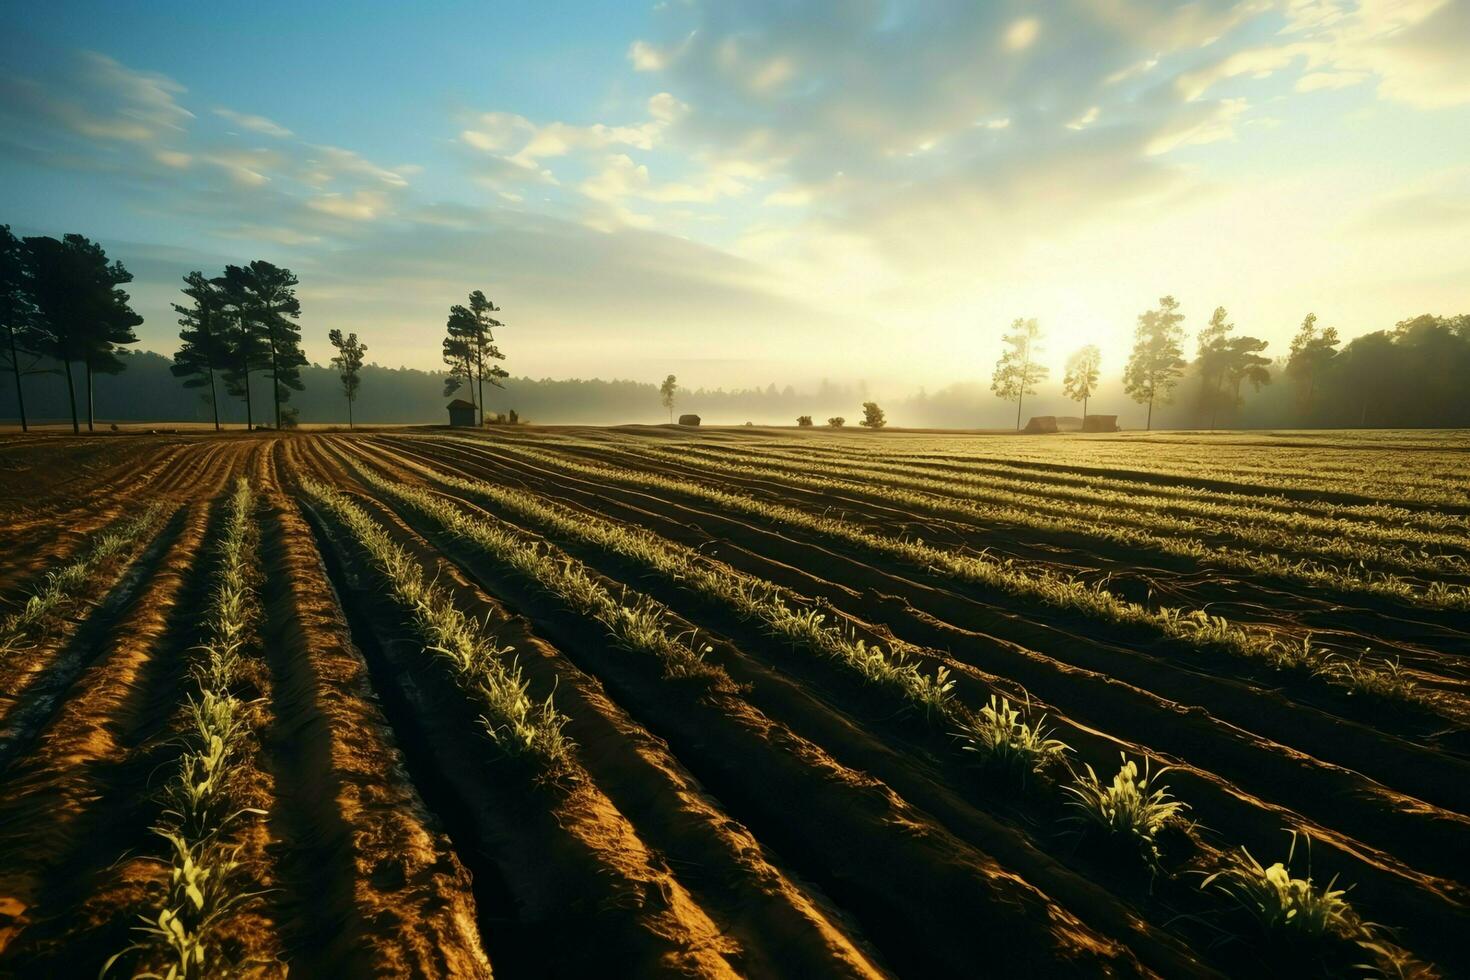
pixel 689 420
pixel 1042 423
pixel 1100 423
pixel 462 412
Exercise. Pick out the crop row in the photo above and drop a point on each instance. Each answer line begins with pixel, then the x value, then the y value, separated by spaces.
pixel 66 583
pixel 744 595
pixel 1131 810
pixel 639 626
pixel 594 843
pixel 1380 479
pixel 203 821
pixel 1070 470
pixel 1289 524
pixel 520 725
pixel 1107 525
pixel 1196 629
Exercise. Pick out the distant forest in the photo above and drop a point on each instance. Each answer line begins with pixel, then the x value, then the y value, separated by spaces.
pixel 67 330
pixel 146 390
pixel 1414 375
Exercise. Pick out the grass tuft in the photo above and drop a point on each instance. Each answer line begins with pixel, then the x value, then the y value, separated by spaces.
pixel 1008 743
pixel 1308 922
pixel 1128 811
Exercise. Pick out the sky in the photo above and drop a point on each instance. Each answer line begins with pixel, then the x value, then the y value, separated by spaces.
pixel 756 192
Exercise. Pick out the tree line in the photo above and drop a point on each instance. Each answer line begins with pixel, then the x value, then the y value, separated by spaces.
pixel 1409 375
pixel 241 321
pixel 65 315
pixel 62 305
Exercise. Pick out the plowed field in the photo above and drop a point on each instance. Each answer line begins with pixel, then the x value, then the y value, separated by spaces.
pixel 581 702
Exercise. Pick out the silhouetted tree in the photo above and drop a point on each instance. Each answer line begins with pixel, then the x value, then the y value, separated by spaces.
pixel 17 316
pixel 243 350
pixel 666 393
pixel 804 421
pixel 1157 359
pixel 1210 360
pixel 470 342
pixel 460 359
pixel 837 421
pixel 1242 361
pixel 1080 381
pixel 1363 372
pixel 348 362
pixel 266 297
pixel 114 329
pixel 1312 349
pixel 1016 373
pixel 205 350
pixel 81 314
pixel 873 416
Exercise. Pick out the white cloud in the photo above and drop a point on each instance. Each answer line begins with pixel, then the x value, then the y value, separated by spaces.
pixel 1258 62
pixel 101 100
pixel 1415 49
pixel 620 177
pixel 255 124
pixel 646 57
pixel 773 74
pixel 1021 34
pixel 512 150
pixel 362 205
pixel 104 117
pixel 1132 71
pixel 665 109
pixel 144 100
pixel 346 163
pixel 174 159
pixel 1086 119
pixel 1210 124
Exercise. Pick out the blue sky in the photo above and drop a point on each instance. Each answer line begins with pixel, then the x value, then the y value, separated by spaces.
pixel 756 192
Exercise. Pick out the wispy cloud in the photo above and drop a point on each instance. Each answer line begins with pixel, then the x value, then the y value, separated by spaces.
pixel 255 124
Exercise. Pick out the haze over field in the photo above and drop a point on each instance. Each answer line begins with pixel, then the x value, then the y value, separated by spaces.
pixel 744 193
pixel 837 490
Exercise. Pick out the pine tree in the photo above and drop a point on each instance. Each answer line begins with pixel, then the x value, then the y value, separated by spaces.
pixel 205 350
pixel 1158 357
pixel 1312 349
pixel 460 358
pixel 1211 359
pixel 272 307
pixel 242 343
pixel 80 313
pixel 470 349
pixel 348 363
pixel 17 316
pixel 1243 362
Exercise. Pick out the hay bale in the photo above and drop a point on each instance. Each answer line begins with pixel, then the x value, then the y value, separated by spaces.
pixel 1041 423
pixel 1100 423
pixel 689 420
